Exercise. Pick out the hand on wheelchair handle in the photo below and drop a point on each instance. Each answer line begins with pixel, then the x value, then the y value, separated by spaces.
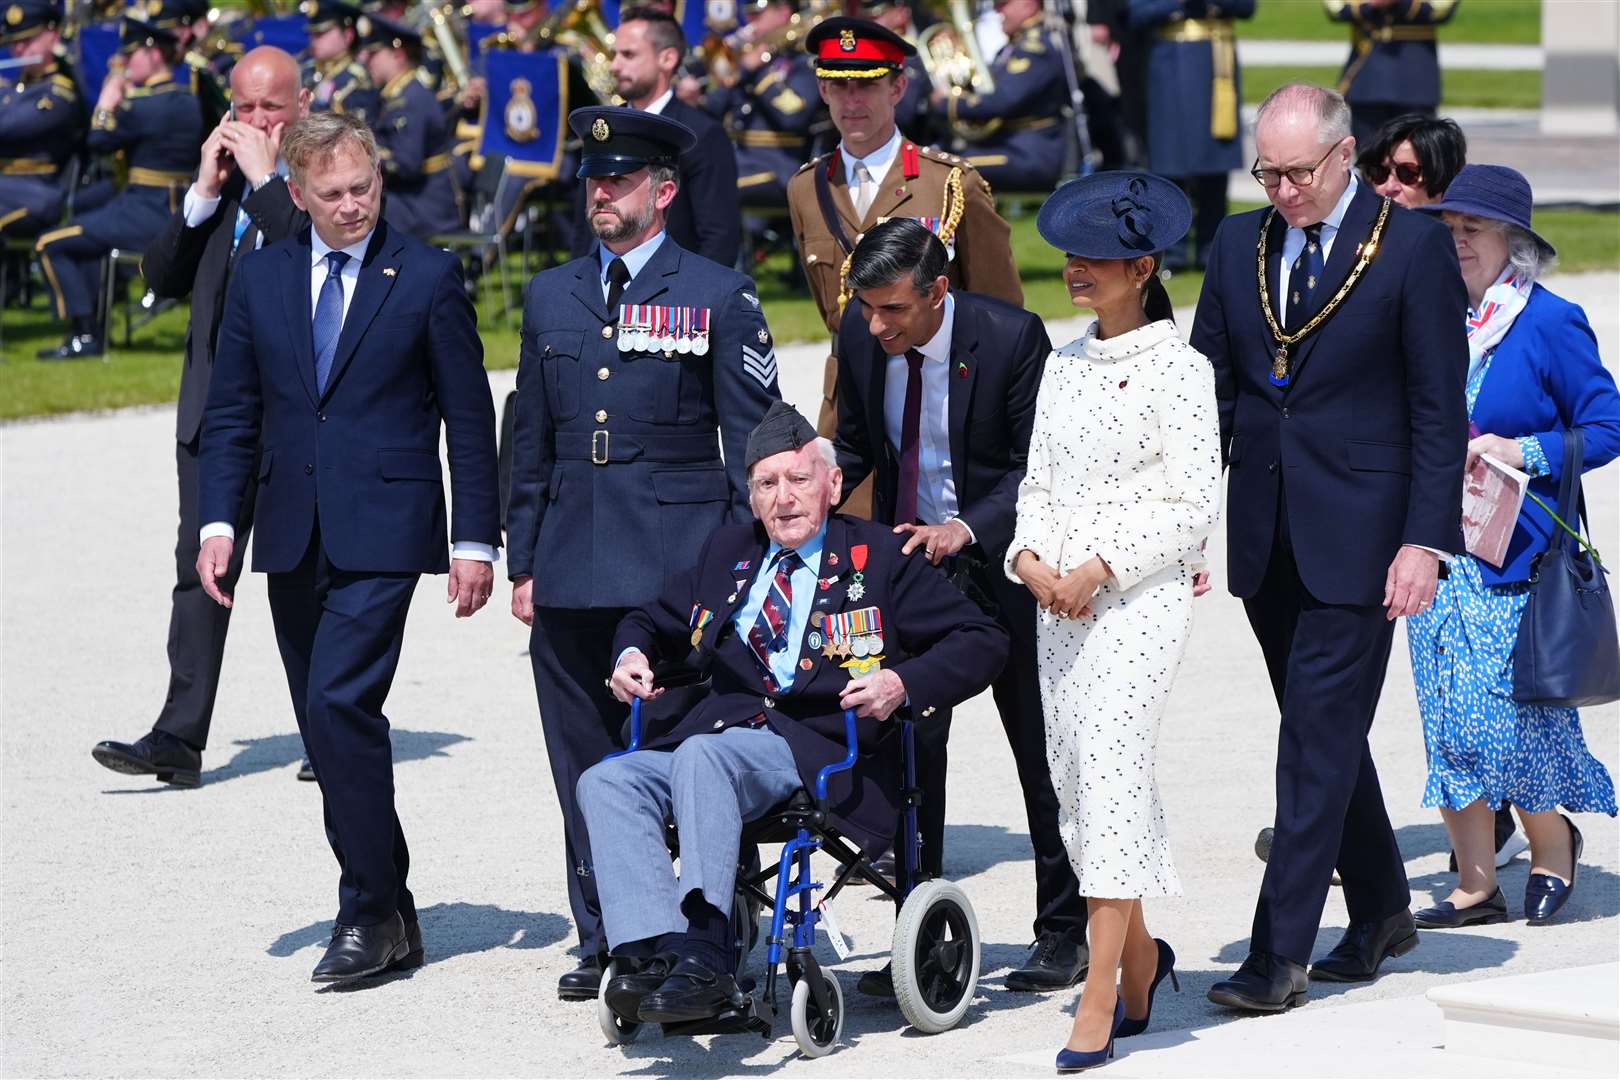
pixel 875 696
pixel 633 678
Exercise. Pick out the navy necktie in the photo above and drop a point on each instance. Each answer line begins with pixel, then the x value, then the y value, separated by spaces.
pixel 769 632
pixel 1305 275
pixel 329 318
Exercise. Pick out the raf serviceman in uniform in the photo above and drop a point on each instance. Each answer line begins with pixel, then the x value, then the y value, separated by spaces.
pixel 335 79
pixel 875 174
pixel 1014 134
pixel 42 119
pixel 157 124
pixel 640 362
pixel 413 135
pixel 915 114
pixel 187 20
pixel 1394 65
pixel 771 108
pixel 1193 128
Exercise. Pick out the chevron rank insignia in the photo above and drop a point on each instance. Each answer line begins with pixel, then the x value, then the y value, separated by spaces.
pixel 762 366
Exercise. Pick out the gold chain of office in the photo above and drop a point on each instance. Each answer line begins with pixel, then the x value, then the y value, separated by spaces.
pixel 1279 363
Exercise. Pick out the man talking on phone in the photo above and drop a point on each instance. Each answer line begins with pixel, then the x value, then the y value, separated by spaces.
pixel 238 202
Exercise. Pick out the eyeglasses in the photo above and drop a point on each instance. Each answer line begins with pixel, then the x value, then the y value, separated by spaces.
pixel 1410 175
pixel 1299 175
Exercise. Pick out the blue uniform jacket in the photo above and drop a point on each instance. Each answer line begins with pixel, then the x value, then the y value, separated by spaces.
pixel 1031 91
pixel 1368 441
pixel 1547 376
pixel 42 122
pixel 1393 56
pixel 413 137
pixel 367 450
pixel 941 645
pixel 616 470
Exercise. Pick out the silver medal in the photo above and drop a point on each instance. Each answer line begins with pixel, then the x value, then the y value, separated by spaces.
pixel 857 646
pixel 700 344
pixel 876 643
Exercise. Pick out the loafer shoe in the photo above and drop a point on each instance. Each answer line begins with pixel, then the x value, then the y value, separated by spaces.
pixel 691 992
pixel 1545 894
pixel 157 753
pixel 358 951
pixel 1365 946
pixel 1056 961
pixel 626 991
pixel 584 982
pixel 1447 916
pixel 1265 983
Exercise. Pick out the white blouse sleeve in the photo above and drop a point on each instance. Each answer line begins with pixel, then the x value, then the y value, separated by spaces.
pixel 1032 528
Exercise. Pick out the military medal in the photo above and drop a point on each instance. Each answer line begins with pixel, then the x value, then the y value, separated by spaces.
pixel 857 558
pixel 666 339
pixel 626 329
pixel 683 336
pixel 700 618
pixel 700 339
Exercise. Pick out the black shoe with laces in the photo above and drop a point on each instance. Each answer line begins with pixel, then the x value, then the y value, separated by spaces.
pixel 1056 961
pixel 156 753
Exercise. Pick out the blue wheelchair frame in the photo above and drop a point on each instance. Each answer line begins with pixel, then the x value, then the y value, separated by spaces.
pixel 793 880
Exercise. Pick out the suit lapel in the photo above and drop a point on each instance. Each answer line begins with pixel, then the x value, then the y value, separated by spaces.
pixel 737 582
pixel 893 191
pixel 370 291
pixel 588 286
pixel 963 373
pixel 1347 243
pixel 654 278
pixel 295 302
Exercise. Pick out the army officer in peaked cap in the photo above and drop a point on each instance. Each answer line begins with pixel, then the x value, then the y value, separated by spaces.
pixel 640 360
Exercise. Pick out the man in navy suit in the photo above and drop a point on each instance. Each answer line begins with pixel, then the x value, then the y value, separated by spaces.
pixel 1340 381
pixel 794 618
pixel 640 361
pixel 946 476
pixel 350 491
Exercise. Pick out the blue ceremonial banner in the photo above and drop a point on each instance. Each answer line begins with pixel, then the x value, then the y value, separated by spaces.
pixel 97 44
pixel 525 110
pixel 286 32
pixel 476 33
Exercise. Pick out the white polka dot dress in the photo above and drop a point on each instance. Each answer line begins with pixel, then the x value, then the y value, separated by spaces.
pixel 1124 463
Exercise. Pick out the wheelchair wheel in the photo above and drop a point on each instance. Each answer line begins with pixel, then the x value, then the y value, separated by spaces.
pixel 744 928
pixel 816 1034
pixel 935 956
pixel 617 1030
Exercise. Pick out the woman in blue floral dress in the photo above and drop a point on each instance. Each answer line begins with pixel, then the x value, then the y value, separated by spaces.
pixel 1534 371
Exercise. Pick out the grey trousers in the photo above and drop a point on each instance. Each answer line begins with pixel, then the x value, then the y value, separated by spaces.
pixel 709 785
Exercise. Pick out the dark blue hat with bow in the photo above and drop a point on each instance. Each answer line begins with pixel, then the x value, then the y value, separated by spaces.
pixel 1115 215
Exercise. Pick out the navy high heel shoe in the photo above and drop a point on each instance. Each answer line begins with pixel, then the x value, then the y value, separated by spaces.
pixel 1167 966
pixel 1079 1060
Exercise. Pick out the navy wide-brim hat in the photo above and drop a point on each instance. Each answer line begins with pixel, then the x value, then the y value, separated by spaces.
pixel 1495 192
pixel 616 141
pixel 1115 215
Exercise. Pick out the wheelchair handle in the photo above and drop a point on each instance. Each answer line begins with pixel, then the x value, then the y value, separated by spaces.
pixel 841 766
pixel 635 732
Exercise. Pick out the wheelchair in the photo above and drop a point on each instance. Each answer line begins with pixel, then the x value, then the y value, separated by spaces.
pixel 934 953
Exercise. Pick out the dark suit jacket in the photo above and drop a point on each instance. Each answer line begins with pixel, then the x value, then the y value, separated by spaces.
pixel 1367 443
pixel 944 649
pixel 367 450
pixel 997 354
pixel 704 217
pixel 198 261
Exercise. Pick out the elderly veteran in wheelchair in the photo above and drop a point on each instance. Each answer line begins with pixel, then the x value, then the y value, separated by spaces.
pixel 792 620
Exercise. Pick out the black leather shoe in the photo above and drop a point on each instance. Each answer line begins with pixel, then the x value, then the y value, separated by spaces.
pixel 626 991
pixel 1055 962
pixel 358 951
pixel 1365 946
pixel 156 753
pixel 691 992
pixel 306 771
pixel 413 948
pixel 584 982
pixel 76 347
pixel 1448 916
pixel 1544 894
pixel 878 983
pixel 1265 983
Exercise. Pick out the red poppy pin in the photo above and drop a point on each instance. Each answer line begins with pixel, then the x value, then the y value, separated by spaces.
pixel 961 369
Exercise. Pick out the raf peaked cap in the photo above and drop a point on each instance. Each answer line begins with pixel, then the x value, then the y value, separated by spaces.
pixel 783 429
pixel 322 15
pixel 376 32
pixel 619 141
pixel 846 48
pixel 22 19
pixel 1115 215
pixel 137 34
pixel 172 13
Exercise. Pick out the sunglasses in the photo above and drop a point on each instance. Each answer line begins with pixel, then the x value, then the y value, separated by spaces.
pixel 1410 175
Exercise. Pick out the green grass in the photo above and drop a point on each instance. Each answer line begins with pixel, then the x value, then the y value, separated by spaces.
pixel 149 371
pixel 1496 22
pixel 1462 88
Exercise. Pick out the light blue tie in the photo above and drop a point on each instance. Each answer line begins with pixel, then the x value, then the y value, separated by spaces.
pixel 242 221
pixel 329 318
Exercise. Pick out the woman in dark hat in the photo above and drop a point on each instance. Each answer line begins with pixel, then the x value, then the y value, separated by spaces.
pixel 1533 370
pixel 1122 488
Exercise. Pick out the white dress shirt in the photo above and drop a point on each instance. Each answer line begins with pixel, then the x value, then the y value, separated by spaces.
pixel 199 208
pixel 658 103
pixel 348 278
pixel 1294 242
pixel 634 259
pixel 936 486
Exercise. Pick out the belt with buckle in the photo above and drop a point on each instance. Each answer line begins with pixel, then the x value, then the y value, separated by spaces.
pixel 602 447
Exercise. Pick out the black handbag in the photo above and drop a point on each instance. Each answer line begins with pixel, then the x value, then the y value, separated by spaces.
pixel 1568 650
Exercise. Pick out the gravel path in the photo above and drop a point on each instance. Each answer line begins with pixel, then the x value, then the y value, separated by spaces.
pixel 153 931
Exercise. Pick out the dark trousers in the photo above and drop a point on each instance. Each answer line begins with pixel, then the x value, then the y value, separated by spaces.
pixel 1327 665
pixel 582 721
pixel 197 625
pixel 1207 193
pixel 340 635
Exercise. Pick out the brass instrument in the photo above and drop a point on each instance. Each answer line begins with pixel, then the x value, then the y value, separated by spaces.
pixel 444 22
pixel 578 24
pixel 722 54
pixel 949 51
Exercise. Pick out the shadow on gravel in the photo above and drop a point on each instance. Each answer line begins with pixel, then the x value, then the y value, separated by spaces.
pixel 452 930
pixel 279 751
pixel 1417 841
pixel 973 849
